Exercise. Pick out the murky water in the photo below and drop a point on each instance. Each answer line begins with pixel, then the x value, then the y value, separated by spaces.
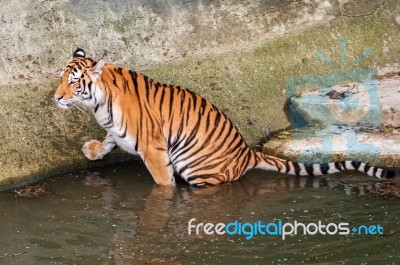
pixel 118 216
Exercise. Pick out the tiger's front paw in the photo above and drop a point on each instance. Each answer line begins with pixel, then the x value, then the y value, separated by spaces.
pixel 93 150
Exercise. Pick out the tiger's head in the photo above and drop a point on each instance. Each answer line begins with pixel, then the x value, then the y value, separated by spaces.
pixel 78 81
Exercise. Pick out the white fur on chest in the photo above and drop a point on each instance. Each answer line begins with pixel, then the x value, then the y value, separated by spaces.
pixel 126 142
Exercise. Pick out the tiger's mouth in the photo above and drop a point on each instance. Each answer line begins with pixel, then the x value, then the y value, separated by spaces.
pixel 64 106
pixel 63 103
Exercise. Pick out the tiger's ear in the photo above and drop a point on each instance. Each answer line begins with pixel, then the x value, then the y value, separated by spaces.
pixel 79 53
pixel 98 68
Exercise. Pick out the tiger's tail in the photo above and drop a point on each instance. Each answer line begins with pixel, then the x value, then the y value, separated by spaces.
pixel 272 163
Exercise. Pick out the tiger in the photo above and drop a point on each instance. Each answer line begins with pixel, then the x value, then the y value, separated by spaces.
pixel 176 132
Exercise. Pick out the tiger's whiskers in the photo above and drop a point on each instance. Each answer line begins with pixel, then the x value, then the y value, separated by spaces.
pixel 80 107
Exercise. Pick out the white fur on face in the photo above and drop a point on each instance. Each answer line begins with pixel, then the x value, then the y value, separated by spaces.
pixel 74 76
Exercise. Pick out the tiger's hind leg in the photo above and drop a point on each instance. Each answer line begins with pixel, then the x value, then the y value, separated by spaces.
pixel 94 150
pixel 204 181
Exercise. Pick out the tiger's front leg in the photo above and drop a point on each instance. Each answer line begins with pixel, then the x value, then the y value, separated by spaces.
pixel 94 150
pixel 157 161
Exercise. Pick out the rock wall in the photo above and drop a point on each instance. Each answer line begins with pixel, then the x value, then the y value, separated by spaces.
pixel 39 36
pixel 238 54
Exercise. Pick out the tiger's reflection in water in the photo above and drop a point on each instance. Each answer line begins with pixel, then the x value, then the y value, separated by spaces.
pixel 151 220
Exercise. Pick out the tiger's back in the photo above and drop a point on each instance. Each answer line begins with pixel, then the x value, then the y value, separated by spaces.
pixel 173 129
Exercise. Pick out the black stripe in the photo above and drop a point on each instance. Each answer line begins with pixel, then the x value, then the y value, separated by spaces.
pixel 95 99
pixel 187 113
pixel 178 135
pixel 217 118
pixel 84 83
pixel 203 158
pixel 137 138
pixel 324 169
pixel 114 78
pixel 208 120
pixel 206 142
pixel 90 89
pixel 156 86
pixel 150 118
pixel 276 164
pixel 109 123
pixel 134 79
pixel 162 99
pixel 123 135
pixel 337 166
pixel 163 149
pixel 146 83
pixel 125 85
pixel 366 168
pixel 171 101
pixel 183 96
pixel 375 169
pixel 84 64
pixel 194 131
pixel 287 166
pixel 229 148
pixel 230 128
pixel 296 168
pixel 206 166
pixel 110 105
pixel 194 96
pixel 209 136
pixel 310 170
pixel 189 138
pixel 186 137
pixel 183 151
pixel 388 174
pixel 203 106
pixel 243 160
pixel 195 163
pixel 176 143
pixel 235 152
pixel 355 164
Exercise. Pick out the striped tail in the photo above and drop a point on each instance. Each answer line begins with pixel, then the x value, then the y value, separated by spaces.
pixel 272 163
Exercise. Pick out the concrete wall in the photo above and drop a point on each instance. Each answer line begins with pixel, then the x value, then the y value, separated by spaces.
pixel 237 54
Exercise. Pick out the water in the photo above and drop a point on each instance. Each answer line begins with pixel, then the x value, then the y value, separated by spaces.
pixel 119 216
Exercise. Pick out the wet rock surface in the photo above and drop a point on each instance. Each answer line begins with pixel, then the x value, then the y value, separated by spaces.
pixel 236 54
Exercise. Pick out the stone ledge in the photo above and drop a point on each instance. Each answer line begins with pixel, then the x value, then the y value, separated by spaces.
pixel 340 144
pixel 345 135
